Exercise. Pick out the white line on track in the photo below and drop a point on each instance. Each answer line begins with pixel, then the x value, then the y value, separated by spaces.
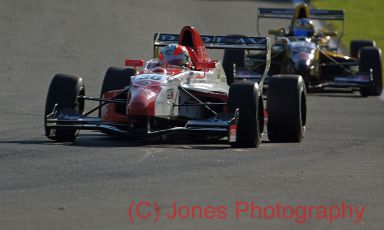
pixel 149 152
pixel 382 97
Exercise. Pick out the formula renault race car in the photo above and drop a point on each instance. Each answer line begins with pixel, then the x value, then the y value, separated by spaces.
pixel 154 98
pixel 313 54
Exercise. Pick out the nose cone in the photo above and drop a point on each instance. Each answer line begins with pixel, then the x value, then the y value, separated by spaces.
pixel 302 62
pixel 302 65
pixel 142 101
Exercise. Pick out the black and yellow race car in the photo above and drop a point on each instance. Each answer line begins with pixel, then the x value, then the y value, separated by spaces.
pixel 313 53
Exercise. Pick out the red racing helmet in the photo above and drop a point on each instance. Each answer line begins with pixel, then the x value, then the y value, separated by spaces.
pixel 174 54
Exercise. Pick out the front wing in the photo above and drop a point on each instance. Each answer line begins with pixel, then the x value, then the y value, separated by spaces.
pixel 218 125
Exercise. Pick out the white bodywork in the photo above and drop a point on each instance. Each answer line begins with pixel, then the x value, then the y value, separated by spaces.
pixel 210 80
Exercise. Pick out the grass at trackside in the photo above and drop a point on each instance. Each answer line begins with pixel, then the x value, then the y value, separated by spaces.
pixel 363 19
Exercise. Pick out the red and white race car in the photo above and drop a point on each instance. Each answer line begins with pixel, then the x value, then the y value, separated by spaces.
pixel 156 98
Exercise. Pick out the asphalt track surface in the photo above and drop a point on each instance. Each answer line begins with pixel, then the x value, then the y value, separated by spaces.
pixel 89 184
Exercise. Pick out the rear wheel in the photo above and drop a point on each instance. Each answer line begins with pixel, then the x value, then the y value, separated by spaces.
pixel 246 97
pixel 287 108
pixel 116 78
pixel 370 59
pixel 356 45
pixel 64 91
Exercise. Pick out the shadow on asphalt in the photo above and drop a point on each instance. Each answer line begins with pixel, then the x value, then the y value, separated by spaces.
pixel 101 141
pixel 347 93
pixel 336 95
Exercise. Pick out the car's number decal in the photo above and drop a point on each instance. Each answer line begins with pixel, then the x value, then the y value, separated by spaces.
pixel 152 77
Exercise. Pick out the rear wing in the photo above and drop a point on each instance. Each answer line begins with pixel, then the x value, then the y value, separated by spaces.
pixel 285 13
pixel 218 42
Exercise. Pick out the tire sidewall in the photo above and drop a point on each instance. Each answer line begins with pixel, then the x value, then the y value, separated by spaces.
pixel 370 58
pixel 245 96
pixel 287 108
pixel 64 91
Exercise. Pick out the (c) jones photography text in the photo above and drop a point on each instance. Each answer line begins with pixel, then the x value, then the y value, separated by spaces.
pixel 144 210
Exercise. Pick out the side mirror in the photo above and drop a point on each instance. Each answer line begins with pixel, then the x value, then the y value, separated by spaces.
pixel 325 33
pixel 134 63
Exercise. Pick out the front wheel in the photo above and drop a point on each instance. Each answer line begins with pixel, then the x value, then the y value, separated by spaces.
pixel 287 108
pixel 116 78
pixel 64 91
pixel 370 62
pixel 246 97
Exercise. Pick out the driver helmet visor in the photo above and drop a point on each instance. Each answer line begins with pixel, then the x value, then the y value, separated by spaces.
pixel 178 62
pixel 302 32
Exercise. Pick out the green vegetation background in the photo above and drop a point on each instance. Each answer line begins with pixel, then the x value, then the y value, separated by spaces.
pixel 364 19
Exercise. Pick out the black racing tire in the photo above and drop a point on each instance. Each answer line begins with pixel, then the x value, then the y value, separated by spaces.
pixel 116 78
pixel 64 91
pixel 246 97
pixel 370 58
pixel 356 45
pixel 233 57
pixel 287 108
